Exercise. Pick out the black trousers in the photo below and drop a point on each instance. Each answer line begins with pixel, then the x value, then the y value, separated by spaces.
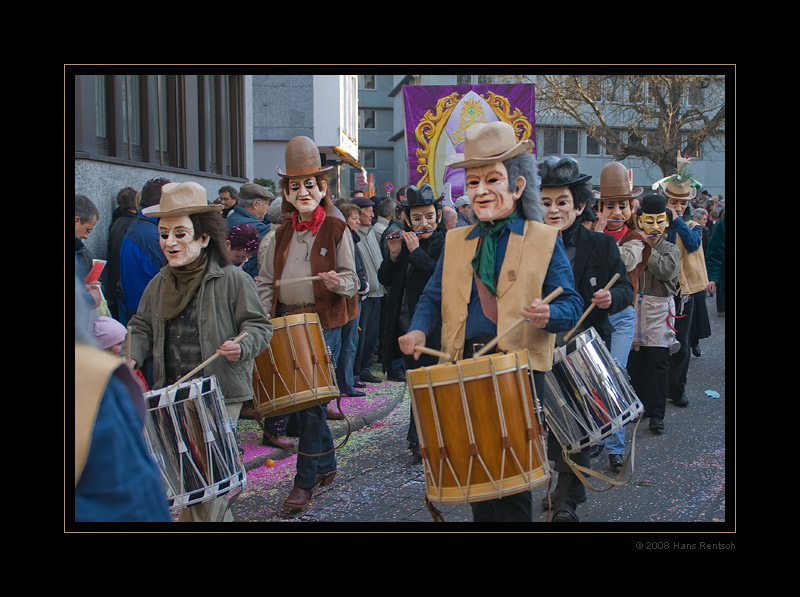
pixel 648 368
pixel 679 362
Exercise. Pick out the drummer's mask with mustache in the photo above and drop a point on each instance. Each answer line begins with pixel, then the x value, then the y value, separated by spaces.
pixel 615 212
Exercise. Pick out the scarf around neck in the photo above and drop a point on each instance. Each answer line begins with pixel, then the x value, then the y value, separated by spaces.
pixel 313 224
pixel 484 261
pixel 180 286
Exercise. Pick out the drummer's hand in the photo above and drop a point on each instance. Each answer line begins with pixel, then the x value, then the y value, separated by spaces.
pixel 410 340
pixel 602 299
pixel 230 350
pixel 536 314
pixel 330 279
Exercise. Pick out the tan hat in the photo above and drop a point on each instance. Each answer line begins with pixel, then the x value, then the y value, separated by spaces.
pixel 487 143
pixel 302 158
pixel 682 185
pixel 615 185
pixel 181 199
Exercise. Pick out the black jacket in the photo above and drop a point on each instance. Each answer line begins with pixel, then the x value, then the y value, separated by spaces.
pixel 596 259
pixel 408 275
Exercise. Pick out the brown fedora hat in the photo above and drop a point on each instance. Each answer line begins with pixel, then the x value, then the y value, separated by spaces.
pixel 487 143
pixel 302 158
pixel 614 183
pixel 181 199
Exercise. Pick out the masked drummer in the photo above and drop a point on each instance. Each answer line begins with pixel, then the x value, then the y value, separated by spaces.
pixel 616 217
pixel 194 307
pixel 595 259
pixel 511 259
pixel 648 362
pixel 413 254
pixel 311 242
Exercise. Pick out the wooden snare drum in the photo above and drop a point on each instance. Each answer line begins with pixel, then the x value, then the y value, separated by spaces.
pixel 479 428
pixel 296 371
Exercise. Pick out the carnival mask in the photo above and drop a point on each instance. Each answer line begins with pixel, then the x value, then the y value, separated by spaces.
pixel 305 193
pixel 489 193
pixel 177 240
pixel 423 220
pixel 615 212
pixel 653 225
pixel 559 207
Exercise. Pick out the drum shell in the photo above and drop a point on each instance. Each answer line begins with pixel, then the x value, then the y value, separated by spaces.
pixel 587 395
pixel 296 370
pixel 478 428
pixel 193 442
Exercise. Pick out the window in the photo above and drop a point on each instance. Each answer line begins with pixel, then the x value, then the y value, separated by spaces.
pixel 369 158
pixel 551 142
pixel 192 122
pixel 366 81
pixel 592 146
pixel 367 119
pixel 570 142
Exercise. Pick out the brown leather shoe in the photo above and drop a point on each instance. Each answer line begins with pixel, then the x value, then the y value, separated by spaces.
pixel 298 498
pixel 325 478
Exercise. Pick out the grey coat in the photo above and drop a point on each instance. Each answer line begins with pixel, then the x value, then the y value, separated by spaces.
pixel 227 306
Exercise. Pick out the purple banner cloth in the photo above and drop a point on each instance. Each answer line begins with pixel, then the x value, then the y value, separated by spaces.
pixel 436 117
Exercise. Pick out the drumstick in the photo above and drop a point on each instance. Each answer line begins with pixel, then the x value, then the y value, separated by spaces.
pixel 236 340
pixel 305 279
pixel 589 310
pixel 490 345
pixel 433 352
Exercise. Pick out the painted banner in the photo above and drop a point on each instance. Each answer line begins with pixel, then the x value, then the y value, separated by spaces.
pixel 436 117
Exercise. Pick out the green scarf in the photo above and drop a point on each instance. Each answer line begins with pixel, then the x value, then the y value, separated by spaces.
pixel 180 286
pixel 484 261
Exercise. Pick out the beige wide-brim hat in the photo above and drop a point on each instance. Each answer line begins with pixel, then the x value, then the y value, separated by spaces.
pixel 614 183
pixel 302 159
pixel 681 191
pixel 487 143
pixel 180 199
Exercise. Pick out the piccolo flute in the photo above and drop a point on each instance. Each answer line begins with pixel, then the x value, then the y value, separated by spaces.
pixel 400 234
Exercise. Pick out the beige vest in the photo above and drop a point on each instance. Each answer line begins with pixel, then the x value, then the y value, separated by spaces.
pixel 521 277
pixel 693 276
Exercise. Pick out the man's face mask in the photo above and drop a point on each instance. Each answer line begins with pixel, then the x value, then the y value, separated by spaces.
pixel 653 225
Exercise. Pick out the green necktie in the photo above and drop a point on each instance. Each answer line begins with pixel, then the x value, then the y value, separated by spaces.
pixel 485 257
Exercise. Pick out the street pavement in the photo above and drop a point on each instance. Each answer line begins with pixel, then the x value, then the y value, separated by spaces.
pixel 678 482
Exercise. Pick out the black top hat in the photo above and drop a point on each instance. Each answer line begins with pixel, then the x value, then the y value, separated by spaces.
pixel 561 172
pixel 418 197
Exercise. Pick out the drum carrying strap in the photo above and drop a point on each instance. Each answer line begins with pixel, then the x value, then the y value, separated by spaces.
pixel 582 472
pixel 93 370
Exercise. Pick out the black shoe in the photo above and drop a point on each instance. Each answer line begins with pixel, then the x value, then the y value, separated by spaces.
pixel 414 448
pixel 546 505
pixel 696 351
pixel 616 462
pixel 359 384
pixel 596 450
pixel 370 378
pixel 395 378
pixel 565 516
pixel 682 401
pixel 353 393
pixel 656 424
